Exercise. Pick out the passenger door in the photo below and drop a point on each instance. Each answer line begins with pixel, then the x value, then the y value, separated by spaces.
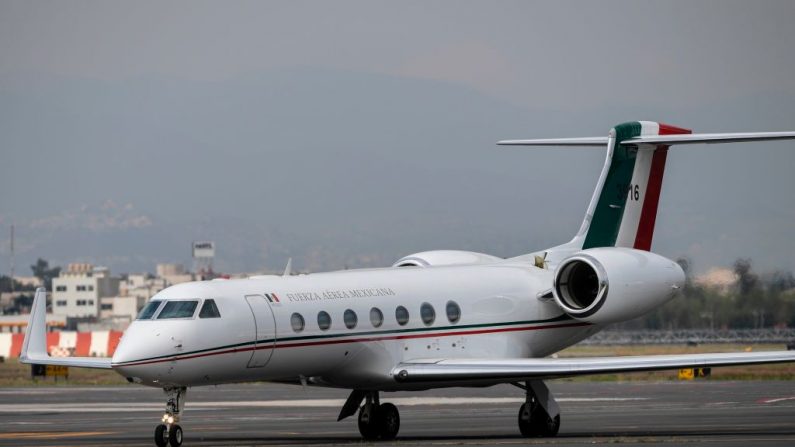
pixel 265 330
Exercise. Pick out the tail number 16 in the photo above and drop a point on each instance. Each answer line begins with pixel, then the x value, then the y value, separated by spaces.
pixel 632 192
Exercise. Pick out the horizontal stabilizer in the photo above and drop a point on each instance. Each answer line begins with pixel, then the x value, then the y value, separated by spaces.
pixel 587 141
pixel 34 348
pixel 709 138
pixel 513 370
pixel 657 140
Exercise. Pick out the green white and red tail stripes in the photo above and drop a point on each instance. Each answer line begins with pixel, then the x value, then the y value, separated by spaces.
pixel 626 205
pixel 623 208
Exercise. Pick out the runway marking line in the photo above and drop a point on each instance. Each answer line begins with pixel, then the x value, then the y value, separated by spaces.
pixel 772 401
pixel 297 403
pixel 52 435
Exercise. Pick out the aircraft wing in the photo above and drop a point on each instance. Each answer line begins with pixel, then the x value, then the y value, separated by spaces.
pixel 516 370
pixel 34 348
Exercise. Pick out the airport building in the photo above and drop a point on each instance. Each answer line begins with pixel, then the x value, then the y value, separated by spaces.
pixel 76 292
pixel 173 273
pixel 93 297
pixel 120 311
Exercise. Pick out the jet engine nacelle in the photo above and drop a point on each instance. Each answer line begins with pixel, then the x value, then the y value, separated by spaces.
pixel 612 284
pixel 445 257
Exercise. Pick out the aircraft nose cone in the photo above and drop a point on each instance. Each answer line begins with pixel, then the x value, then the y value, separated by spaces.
pixel 130 350
pixel 122 352
pixel 135 345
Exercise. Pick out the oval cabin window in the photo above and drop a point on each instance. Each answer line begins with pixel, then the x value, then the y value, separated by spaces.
pixel 297 322
pixel 427 314
pixel 350 319
pixel 376 317
pixel 453 312
pixel 323 320
pixel 402 315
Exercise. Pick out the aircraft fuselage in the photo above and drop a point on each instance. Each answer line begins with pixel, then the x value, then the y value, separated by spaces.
pixel 499 315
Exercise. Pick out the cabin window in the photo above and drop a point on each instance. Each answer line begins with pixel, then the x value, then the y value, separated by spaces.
pixel 376 317
pixel 402 315
pixel 209 310
pixel 297 322
pixel 178 309
pixel 323 320
pixel 350 319
pixel 149 310
pixel 453 312
pixel 427 314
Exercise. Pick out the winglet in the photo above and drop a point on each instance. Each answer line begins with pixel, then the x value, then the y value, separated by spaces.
pixel 288 269
pixel 34 348
pixel 35 344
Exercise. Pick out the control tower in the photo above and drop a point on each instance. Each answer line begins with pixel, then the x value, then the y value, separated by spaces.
pixel 203 254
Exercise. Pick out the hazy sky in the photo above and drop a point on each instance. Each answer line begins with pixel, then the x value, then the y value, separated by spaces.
pixel 354 133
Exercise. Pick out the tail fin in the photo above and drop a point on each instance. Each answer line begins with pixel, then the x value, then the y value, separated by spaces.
pixel 623 208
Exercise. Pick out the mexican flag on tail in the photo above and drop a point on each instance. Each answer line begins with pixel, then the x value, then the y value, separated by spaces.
pixel 626 207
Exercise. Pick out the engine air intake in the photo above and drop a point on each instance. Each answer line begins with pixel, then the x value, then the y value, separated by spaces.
pixel 578 284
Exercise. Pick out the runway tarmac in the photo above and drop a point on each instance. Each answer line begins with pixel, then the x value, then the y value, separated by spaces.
pixel 630 413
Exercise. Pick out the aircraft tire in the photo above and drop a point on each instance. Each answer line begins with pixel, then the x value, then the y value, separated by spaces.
pixel 525 425
pixel 535 422
pixel 388 421
pixel 175 436
pixel 548 427
pixel 369 428
pixel 161 439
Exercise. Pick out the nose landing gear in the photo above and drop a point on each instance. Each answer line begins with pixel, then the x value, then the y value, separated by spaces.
pixel 169 432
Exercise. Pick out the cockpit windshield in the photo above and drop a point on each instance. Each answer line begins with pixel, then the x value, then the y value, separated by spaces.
pixel 209 310
pixel 149 310
pixel 178 309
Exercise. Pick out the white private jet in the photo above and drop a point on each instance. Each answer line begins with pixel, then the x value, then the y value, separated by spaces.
pixel 433 319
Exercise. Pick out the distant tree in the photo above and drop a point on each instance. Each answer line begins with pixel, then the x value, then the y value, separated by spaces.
pixel 780 281
pixel 23 301
pixel 5 285
pixel 41 269
pixel 747 281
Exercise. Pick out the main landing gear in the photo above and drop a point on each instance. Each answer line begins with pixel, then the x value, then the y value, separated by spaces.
pixel 539 416
pixel 169 432
pixel 376 420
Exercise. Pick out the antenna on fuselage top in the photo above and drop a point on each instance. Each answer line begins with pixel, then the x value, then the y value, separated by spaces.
pixel 288 269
